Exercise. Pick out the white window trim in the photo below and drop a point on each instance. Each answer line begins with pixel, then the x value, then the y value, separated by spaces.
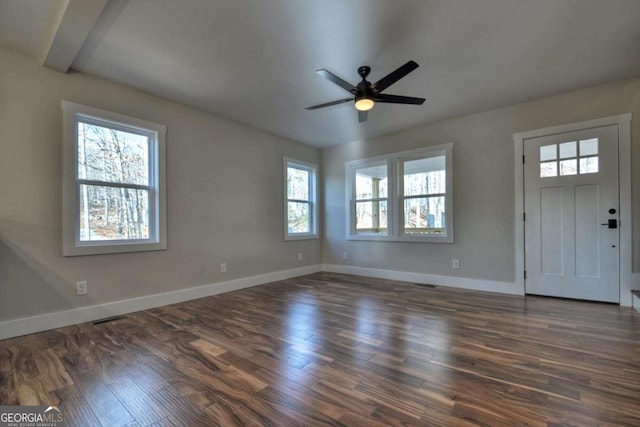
pixel 394 198
pixel 72 246
pixel 313 199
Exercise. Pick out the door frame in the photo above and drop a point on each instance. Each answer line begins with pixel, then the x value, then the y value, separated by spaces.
pixel 623 122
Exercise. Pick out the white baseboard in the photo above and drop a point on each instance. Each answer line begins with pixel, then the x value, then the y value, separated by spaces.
pixel 44 322
pixel 432 279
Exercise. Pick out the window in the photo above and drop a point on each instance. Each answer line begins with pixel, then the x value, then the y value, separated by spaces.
pixel 371 199
pixel 569 158
pixel 424 196
pixel 300 203
pixel 402 196
pixel 114 197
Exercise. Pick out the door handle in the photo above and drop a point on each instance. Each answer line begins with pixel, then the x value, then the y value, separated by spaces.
pixel 612 223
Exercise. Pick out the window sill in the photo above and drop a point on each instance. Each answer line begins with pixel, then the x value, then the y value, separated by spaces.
pixel 112 248
pixel 406 239
pixel 291 237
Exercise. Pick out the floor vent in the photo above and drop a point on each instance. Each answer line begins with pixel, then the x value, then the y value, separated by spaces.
pixel 425 285
pixel 108 319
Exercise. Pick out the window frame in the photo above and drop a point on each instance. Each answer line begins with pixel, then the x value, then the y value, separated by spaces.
pixel 352 168
pixel 72 245
pixel 396 197
pixel 312 169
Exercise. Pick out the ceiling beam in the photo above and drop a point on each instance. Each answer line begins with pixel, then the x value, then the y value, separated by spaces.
pixel 75 25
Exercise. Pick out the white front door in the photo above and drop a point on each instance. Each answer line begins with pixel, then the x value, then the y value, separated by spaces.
pixel 571 214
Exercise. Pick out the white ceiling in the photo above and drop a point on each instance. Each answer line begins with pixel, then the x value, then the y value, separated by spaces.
pixel 254 61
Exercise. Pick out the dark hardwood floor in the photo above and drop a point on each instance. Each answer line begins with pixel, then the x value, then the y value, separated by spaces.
pixel 331 349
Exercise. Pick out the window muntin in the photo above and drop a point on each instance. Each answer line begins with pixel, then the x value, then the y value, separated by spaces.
pixel 403 196
pixel 300 200
pixel 113 183
pixel 569 158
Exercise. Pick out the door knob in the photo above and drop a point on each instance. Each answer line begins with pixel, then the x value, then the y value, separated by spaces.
pixel 612 223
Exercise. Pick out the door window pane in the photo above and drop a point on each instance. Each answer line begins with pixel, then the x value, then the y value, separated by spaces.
pixel 569 167
pixel 589 147
pixel 568 149
pixel 548 169
pixel 548 152
pixel 589 165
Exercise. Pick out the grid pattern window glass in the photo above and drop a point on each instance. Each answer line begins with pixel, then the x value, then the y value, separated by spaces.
pixel 569 158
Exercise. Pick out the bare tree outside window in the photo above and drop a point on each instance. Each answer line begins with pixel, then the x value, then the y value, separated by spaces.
pixel 114 187
pixel 300 206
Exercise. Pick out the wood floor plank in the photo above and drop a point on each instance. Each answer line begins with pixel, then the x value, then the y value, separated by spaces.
pixel 333 349
pixel 76 411
pixel 101 399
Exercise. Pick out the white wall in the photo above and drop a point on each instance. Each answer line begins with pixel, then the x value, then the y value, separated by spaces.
pixel 224 192
pixel 483 184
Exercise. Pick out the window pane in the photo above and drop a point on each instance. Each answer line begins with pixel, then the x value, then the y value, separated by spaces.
pixel 425 176
pixel 108 213
pixel 568 149
pixel 298 217
pixel 589 165
pixel 548 152
pixel 548 169
pixel 371 182
pixel 297 184
pixel 569 167
pixel 112 155
pixel 425 216
pixel 371 217
pixel 589 147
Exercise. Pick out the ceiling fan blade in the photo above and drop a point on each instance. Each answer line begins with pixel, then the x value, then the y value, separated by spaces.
pixel 337 80
pixel 362 116
pixel 397 99
pixel 329 104
pixel 394 76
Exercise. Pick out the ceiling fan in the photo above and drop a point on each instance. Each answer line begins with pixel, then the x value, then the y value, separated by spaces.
pixel 366 94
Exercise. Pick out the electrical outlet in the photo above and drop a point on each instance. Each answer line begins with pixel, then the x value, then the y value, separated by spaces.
pixel 223 267
pixel 299 256
pixel 455 263
pixel 82 288
pixel 345 255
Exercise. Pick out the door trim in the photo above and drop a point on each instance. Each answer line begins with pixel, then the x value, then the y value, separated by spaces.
pixel 623 121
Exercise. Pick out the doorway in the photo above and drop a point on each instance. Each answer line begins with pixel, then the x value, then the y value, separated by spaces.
pixel 573 235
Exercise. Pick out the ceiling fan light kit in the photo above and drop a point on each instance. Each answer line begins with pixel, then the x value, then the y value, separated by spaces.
pixel 366 94
pixel 364 104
